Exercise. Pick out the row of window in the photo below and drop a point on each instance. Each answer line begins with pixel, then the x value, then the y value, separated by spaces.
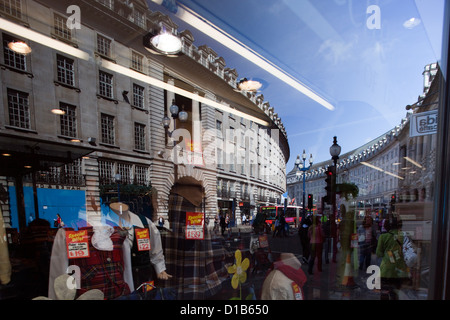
pixel 66 74
pixel 128 173
pixel 19 116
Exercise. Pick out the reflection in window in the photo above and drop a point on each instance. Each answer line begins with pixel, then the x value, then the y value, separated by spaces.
pixel 66 70
pixel 103 46
pixel 18 107
pixel 11 7
pixel 139 136
pixel 137 61
pixel 138 96
pixel 107 123
pixel 68 120
pixel 13 59
pixel 60 28
pixel 106 84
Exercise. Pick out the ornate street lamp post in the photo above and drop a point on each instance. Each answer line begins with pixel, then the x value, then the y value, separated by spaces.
pixel 303 168
pixel 335 151
pixel 182 116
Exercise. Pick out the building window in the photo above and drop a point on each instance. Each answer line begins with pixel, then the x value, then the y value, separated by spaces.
pixel 107 124
pixel 68 120
pixel 124 170
pixel 66 70
pixel 60 27
pixel 11 7
pixel 140 175
pixel 13 59
pixel 106 172
pixel 18 108
pixel 139 18
pixel 106 84
pixel 137 61
pixel 139 136
pixel 219 158
pixel 138 96
pixel 107 3
pixel 103 46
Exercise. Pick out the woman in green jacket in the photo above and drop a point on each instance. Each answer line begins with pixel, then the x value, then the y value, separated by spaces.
pixel 393 269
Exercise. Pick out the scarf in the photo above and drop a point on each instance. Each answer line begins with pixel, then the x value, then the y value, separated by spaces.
pixel 296 275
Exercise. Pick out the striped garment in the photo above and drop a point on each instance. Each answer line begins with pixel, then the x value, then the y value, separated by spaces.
pixel 104 270
pixel 197 268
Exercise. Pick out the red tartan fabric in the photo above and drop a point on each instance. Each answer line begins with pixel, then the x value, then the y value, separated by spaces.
pixel 103 270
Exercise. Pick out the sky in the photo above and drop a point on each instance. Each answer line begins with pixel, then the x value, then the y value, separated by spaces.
pixel 364 57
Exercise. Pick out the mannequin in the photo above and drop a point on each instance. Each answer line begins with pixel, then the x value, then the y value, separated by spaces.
pixel 196 267
pixel 285 282
pixel 131 221
pixel 109 266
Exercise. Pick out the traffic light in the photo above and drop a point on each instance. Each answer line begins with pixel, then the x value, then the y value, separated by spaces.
pixel 310 201
pixel 330 181
pixel 393 200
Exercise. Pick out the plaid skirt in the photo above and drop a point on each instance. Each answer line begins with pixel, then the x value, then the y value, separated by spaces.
pixel 197 268
pixel 103 270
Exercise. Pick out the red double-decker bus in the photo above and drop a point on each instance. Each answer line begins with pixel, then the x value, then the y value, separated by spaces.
pixel 271 212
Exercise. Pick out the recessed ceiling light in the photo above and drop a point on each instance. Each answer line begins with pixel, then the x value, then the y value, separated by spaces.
pixel 6 154
pixel 58 111
pixel 19 47
pixel 249 85
pixel 166 43
pixel 27 167
pixel 75 140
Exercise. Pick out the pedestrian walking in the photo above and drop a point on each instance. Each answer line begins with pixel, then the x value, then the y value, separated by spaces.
pixel 327 239
pixel 303 234
pixel 277 227
pixel 393 269
pixel 315 234
pixel 366 242
pixel 223 224
pixel 58 222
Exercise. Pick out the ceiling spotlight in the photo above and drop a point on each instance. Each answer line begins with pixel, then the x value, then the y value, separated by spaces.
pixel 19 47
pixel 58 111
pixel 249 85
pixel 166 43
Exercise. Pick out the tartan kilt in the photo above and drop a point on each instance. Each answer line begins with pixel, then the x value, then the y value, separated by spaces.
pixel 197 268
pixel 104 270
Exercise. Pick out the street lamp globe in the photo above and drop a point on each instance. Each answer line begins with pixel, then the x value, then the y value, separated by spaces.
pixel 166 122
pixel 174 110
pixel 304 155
pixel 335 149
pixel 183 116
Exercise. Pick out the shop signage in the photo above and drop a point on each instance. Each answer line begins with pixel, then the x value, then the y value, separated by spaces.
pixel 195 222
pixel 423 123
pixel 143 239
pixel 77 243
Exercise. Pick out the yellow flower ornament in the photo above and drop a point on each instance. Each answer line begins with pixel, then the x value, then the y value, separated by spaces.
pixel 239 270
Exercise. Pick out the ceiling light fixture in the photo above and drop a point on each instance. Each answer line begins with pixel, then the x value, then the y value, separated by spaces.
pixel 58 111
pixel 19 47
pixel 166 43
pixel 249 85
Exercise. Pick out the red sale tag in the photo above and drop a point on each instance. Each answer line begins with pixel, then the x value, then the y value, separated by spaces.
pixel 143 239
pixel 263 241
pixel 297 291
pixel 77 243
pixel 195 225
